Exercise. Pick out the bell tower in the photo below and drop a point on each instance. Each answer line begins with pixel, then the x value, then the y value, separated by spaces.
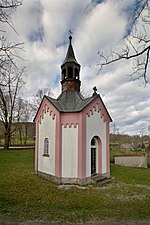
pixel 70 71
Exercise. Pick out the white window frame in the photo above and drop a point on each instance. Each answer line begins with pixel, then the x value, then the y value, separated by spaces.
pixel 46 147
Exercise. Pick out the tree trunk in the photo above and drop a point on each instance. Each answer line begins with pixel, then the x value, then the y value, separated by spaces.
pixel 20 134
pixel 7 135
pixel 7 141
pixel 26 134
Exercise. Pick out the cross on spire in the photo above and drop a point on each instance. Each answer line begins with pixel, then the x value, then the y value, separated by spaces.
pixel 70 37
pixel 70 31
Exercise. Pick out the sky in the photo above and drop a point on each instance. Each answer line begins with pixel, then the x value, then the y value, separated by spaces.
pixel 97 25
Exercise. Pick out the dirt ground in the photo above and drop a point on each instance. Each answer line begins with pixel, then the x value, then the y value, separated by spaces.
pixel 9 221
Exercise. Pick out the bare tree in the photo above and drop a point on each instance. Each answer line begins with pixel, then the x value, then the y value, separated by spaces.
pixel 136 43
pixel 11 79
pixel 10 85
pixel 8 50
pixel 115 132
pixel 24 114
pixel 39 96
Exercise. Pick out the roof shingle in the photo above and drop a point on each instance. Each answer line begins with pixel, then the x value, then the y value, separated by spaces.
pixel 70 101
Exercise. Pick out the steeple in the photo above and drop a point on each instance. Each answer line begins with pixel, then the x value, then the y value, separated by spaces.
pixel 70 70
pixel 70 57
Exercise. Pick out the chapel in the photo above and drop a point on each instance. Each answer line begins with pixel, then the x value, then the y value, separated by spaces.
pixel 72 132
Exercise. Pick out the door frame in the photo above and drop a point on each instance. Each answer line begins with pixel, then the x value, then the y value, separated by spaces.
pixel 93 156
pixel 97 145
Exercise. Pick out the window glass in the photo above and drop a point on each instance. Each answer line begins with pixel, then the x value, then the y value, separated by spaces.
pixel 46 146
pixel 93 141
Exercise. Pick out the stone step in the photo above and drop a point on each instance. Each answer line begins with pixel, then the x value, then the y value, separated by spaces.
pixel 104 182
pixel 100 180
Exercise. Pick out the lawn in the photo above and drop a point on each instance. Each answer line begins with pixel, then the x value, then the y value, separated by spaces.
pixel 23 195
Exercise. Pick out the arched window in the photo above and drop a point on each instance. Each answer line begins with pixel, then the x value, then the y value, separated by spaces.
pixel 76 73
pixel 46 147
pixel 93 141
pixel 64 74
pixel 70 72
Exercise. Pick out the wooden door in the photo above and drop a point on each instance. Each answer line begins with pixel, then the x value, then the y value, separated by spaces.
pixel 93 161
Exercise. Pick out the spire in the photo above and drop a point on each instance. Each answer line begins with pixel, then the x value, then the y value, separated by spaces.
pixel 70 70
pixel 70 56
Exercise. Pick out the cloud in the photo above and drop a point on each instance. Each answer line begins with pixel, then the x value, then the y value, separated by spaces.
pixel 96 31
pixel 97 25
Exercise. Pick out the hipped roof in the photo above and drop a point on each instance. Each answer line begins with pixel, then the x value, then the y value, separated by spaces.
pixel 73 101
pixel 70 101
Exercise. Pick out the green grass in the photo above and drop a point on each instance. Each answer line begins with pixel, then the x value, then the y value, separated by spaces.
pixel 23 195
pixel 131 175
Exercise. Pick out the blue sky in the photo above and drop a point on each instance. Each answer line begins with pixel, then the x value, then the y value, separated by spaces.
pixel 96 25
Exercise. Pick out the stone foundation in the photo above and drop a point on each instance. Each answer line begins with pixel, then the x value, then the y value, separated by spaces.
pixel 63 180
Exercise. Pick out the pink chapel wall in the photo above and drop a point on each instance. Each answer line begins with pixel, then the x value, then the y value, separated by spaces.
pixel 97 125
pixel 73 120
pixel 47 107
pixel 47 127
pixel 86 132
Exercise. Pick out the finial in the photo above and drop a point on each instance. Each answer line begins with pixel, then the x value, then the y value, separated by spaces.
pixel 95 91
pixel 70 38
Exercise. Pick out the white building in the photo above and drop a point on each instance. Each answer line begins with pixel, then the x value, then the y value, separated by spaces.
pixel 72 132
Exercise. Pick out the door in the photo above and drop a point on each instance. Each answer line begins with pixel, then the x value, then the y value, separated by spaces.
pixel 93 161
